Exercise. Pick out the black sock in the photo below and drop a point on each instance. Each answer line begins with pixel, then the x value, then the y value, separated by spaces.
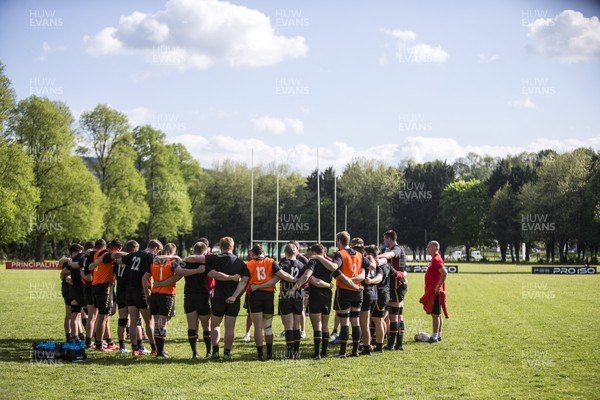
pixel 226 352
pixel 122 343
pixel 269 350
pixel 153 345
pixel 296 341
pixel 379 346
pixel 88 341
pixel 393 334
pixel 160 344
pixel 215 349
pixel 134 347
pixel 317 338
pixel 80 336
pixel 193 339
pixel 356 336
pixel 206 337
pixel 334 332
pixel 68 336
pixel 325 343
pixel 344 334
pixel 259 351
pixel 139 343
pixel 400 337
pixel 289 341
pixel 109 340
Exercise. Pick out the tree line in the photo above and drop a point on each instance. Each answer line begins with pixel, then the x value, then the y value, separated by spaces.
pixel 63 180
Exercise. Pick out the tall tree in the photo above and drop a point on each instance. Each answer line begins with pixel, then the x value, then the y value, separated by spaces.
pixel 18 195
pixel 7 98
pixel 68 193
pixel 416 206
pixel 167 193
pixel 503 219
pixel 553 205
pixel 464 207
pixel 228 203
pixel 108 141
pixel 196 181
pixel 364 186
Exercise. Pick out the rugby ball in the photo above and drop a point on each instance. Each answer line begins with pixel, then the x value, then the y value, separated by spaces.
pixel 422 337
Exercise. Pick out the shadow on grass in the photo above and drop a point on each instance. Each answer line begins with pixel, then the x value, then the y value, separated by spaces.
pixel 20 351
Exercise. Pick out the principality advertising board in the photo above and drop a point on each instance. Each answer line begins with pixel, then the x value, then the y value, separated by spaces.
pixel 32 265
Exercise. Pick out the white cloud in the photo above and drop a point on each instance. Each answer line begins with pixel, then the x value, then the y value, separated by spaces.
pixel 568 37
pixel 524 103
pixel 409 51
pixel 487 58
pixel 138 116
pixel 198 34
pixel 47 49
pixel 278 126
pixel 303 158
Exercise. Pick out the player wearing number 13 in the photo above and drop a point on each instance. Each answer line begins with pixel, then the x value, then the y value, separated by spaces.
pixel 264 274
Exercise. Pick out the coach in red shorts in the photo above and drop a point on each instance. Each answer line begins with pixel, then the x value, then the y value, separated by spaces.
pixel 434 299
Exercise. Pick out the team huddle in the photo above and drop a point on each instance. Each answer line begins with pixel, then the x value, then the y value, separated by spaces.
pixel 368 301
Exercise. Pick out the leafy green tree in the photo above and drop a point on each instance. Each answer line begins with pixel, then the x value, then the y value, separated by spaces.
pixel 110 144
pixel 474 166
pixel 19 197
pixel 553 205
pixel 7 98
pixel 291 218
pixel 228 203
pixel 197 181
pixel 503 219
pixel 70 202
pixel 464 206
pixel 167 192
pixel 364 185
pixel 416 207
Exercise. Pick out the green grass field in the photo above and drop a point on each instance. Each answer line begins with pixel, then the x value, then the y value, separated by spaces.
pixel 511 335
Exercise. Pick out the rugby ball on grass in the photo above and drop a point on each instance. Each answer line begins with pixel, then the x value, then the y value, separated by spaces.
pixel 422 337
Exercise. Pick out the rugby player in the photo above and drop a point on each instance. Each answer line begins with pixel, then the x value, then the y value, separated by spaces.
pixel 231 277
pixel 291 305
pixel 383 297
pixel 88 275
pixel 71 267
pixel 398 285
pixel 137 299
pixel 162 300
pixel 373 276
pixel 319 273
pixel 264 275
pixel 196 302
pixel 102 290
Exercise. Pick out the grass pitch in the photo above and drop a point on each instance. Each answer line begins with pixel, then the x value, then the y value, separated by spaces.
pixel 511 335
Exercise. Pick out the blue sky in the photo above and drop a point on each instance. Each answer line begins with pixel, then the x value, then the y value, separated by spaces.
pixel 390 80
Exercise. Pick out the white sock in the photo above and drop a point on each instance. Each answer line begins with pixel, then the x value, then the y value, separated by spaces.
pixel 435 335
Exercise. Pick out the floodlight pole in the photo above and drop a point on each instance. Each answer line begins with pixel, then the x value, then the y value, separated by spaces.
pixel 334 205
pixel 252 199
pixel 318 200
pixel 277 222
